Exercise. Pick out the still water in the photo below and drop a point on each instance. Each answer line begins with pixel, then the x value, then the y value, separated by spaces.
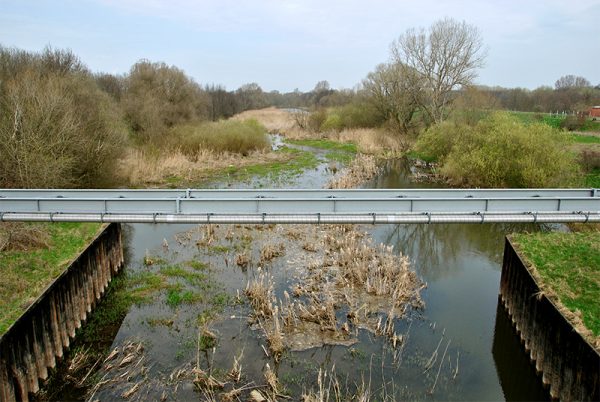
pixel 477 354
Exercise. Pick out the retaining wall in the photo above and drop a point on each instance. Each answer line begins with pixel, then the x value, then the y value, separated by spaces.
pixel 41 335
pixel 568 364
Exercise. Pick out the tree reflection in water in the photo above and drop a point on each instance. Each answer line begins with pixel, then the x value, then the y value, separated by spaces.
pixel 434 249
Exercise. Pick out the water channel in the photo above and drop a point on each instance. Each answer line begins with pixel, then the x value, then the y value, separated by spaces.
pixel 479 356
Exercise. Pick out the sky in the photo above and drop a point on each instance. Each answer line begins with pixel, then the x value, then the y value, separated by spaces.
pixel 288 44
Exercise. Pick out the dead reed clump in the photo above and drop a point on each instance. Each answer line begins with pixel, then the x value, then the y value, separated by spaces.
pixel 235 374
pixel 320 311
pixel 125 369
pixel 260 292
pixel 289 314
pixel 373 141
pixel 310 247
pixel 275 336
pixel 243 259
pixel 272 381
pixel 362 168
pixel 270 251
pixel 206 381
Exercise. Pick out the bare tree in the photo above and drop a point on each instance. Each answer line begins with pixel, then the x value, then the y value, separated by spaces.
pixel 395 91
pixel 250 96
pixel 445 57
pixel 571 81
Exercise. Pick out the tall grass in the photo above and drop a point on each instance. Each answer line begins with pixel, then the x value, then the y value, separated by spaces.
pixel 240 137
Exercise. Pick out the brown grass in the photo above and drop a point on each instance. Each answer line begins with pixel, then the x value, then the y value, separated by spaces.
pixel 270 251
pixel 275 120
pixel 368 140
pixel 260 293
pixel 16 236
pixel 242 259
pixel 361 169
pixel 144 168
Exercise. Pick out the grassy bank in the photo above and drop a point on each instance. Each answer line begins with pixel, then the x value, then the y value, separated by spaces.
pixel 28 267
pixel 568 265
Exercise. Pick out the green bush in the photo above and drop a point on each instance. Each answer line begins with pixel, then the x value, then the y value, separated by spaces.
pixel 352 115
pixel 57 128
pixel 333 122
pixel 316 119
pixel 436 143
pixel 222 136
pixel 500 151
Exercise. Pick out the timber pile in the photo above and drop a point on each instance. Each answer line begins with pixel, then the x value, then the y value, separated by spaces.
pixel 41 335
pixel 569 365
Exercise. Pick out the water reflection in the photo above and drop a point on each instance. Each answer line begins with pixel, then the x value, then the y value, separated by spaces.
pixel 461 264
pixel 434 248
pixel 517 375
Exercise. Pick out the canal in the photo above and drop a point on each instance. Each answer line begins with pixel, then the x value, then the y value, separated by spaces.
pixel 194 319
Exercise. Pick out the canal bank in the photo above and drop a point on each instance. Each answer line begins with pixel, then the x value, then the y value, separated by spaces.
pixel 556 339
pixel 39 338
pixel 447 345
pixel 196 317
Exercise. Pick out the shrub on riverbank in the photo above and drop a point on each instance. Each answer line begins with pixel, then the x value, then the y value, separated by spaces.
pixel 500 151
pixel 57 128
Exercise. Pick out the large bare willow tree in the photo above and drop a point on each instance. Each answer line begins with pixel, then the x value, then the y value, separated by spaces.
pixel 446 57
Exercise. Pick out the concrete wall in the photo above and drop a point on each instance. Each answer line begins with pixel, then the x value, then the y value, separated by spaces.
pixel 41 335
pixel 568 364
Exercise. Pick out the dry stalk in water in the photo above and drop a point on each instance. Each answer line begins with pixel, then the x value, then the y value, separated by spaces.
pixel 270 251
pixel 260 293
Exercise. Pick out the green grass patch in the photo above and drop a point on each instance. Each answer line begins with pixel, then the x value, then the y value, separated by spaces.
pixel 340 156
pixel 546 118
pixel 338 151
pixel 326 144
pixel 178 271
pixel 569 264
pixel 298 162
pixel 590 125
pixel 592 179
pixel 197 265
pixel 176 296
pixel 586 139
pixel 420 155
pixel 25 274
pixel 219 249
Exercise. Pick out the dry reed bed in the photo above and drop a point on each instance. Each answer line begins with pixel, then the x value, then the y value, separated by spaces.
pixel 368 140
pixel 139 167
pixel 275 120
pixel 345 282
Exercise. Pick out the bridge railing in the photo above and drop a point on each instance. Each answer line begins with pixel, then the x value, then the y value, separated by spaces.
pixel 303 206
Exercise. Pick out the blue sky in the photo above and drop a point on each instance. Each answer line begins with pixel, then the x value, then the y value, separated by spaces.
pixel 287 44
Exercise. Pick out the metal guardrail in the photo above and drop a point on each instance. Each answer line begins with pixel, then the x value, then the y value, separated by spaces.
pixel 303 206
